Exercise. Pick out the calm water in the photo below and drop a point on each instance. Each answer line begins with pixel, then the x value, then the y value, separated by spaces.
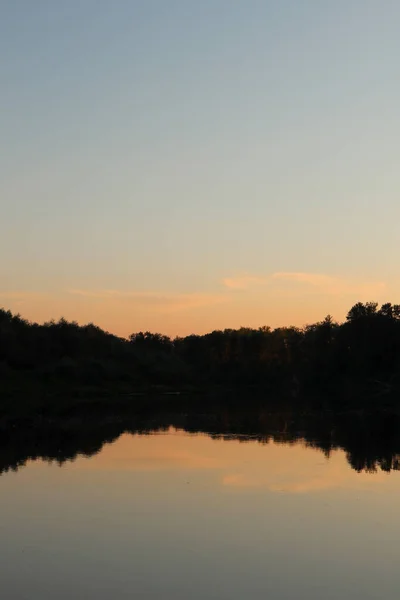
pixel 179 515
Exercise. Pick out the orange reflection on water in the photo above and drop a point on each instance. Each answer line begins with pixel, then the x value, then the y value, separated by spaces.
pixel 238 465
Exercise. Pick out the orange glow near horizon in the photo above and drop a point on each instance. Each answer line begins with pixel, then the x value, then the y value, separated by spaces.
pixel 280 468
pixel 282 299
pixel 122 319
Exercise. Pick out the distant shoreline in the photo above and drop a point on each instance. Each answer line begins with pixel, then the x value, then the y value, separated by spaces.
pixel 55 366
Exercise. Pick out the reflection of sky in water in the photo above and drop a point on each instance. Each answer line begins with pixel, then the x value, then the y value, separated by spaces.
pixel 177 516
pixel 276 467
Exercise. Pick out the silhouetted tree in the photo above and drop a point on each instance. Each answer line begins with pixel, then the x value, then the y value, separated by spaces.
pixel 361 355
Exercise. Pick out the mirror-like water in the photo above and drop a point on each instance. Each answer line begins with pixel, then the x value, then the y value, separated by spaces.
pixel 273 507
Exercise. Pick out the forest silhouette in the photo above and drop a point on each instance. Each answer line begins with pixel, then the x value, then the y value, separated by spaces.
pixel 357 359
pixel 371 441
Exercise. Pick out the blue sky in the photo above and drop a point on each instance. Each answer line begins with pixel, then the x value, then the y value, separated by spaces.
pixel 151 151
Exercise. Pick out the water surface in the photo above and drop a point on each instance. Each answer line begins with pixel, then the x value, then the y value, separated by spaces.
pixel 179 515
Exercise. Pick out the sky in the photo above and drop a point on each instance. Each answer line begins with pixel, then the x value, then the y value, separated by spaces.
pixel 186 166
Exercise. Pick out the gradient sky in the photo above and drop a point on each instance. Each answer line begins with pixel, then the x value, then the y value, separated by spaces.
pixel 183 166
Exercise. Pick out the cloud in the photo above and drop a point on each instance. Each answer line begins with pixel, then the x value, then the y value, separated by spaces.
pixel 20 295
pixel 292 487
pixel 316 279
pixel 19 298
pixel 165 301
pixel 312 485
pixel 167 461
pixel 333 285
pixel 331 479
pixel 244 282
pixel 319 282
pixel 163 451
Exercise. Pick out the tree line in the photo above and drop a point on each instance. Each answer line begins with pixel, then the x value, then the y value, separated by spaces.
pixel 371 441
pixel 362 354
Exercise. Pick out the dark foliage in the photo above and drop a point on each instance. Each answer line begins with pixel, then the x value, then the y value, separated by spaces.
pixel 361 355
pixel 371 441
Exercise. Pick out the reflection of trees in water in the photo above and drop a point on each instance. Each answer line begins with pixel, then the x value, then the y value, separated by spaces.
pixel 371 442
